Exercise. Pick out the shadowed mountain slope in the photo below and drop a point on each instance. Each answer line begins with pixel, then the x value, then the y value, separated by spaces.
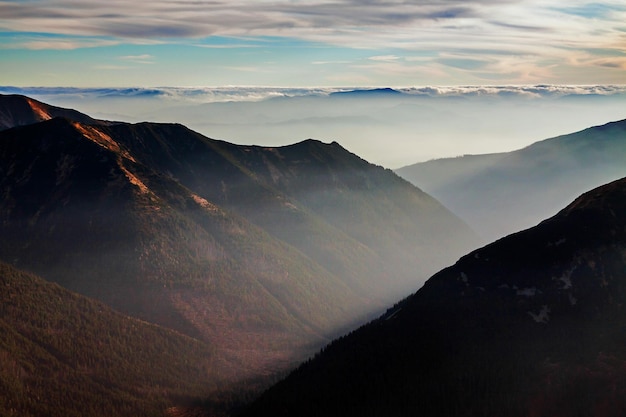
pixel 531 325
pixel 239 246
pixel 499 194
pixel 62 354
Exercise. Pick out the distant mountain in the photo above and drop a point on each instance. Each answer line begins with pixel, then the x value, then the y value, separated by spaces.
pixel 502 193
pixel 372 92
pixel 17 110
pixel 62 354
pixel 530 325
pixel 265 253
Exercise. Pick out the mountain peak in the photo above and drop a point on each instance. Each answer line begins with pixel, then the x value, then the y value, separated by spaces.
pixel 316 143
pixel 371 92
pixel 18 110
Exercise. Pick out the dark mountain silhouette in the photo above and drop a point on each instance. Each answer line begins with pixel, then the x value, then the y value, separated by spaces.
pixel 372 92
pixel 502 193
pixel 264 253
pixel 531 325
pixel 18 110
pixel 62 354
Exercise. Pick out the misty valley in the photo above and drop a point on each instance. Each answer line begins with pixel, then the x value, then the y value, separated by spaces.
pixel 148 270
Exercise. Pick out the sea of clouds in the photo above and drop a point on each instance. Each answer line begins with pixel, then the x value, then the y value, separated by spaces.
pixel 245 93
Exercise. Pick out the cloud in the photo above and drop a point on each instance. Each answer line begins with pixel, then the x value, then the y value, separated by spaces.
pixel 109 67
pixel 593 10
pixel 464 63
pixel 384 58
pixel 330 62
pixel 176 19
pixel 342 22
pixel 535 35
pixel 38 42
pixel 226 94
pixel 227 46
pixel 138 59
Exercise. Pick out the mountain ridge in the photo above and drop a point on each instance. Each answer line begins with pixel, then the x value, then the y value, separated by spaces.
pixel 375 92
pixel 498 194
pixel 19 110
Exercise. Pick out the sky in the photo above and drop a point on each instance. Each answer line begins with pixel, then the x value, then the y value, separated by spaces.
pixel 304 43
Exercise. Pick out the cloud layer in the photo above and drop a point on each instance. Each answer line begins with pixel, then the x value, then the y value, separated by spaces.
pixel 202 95
pixel 522 41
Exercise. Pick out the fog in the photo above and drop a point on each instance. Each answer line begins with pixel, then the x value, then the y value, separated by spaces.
pixel 392 128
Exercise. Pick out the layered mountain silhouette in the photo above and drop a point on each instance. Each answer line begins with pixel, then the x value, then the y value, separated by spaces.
pixel 62 354
pixel 498 194
pixel 531 325
pixel 263 253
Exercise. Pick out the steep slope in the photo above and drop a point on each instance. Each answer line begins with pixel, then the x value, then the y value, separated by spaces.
pixel 502 193
pixel 407 232
pixel 530 325
pixel 62 354
pixel 17 110
pixel 380 235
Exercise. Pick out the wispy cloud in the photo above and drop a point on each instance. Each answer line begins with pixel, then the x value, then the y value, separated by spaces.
pixel 330 20
pixel 535 35
pixel 138 59
pixel 596 10
pixel 39 42
pixel 109 67
pixel 330 62
pixel 172 19
pixel 384 58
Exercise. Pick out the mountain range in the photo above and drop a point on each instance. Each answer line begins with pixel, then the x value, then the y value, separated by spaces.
pixel 181 270
pixel 530 325
pixel 498 194
pixel 262 253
